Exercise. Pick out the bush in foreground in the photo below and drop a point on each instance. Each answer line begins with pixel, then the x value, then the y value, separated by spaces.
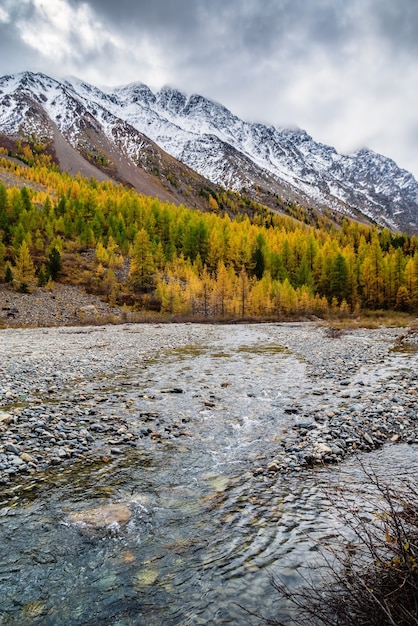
pixel 373 579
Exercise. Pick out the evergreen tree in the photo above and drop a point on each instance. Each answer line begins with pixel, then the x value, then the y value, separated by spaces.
pixel 303 275
pixel 54 263
pixel 142 271
pixel 338 283
pixel 257 259
pixel 8 275
pixel 4 218
pixel 42 276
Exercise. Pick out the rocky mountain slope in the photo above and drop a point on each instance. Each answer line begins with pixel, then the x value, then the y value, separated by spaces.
pixel 139 137
pixel 86 138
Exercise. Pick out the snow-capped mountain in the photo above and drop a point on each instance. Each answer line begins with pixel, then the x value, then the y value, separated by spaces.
pixel 86 137
pixel 128 124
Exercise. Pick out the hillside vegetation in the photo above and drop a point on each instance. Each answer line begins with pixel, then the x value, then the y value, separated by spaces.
pixel 237 259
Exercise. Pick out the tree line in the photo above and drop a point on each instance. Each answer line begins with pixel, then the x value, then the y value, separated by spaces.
pixel 237 259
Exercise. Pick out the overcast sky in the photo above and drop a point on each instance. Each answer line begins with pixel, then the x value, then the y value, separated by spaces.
pixel 344 70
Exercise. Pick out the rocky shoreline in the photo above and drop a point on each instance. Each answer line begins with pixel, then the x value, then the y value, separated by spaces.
pixel 66 395
pixel 48 418
pixel 369 415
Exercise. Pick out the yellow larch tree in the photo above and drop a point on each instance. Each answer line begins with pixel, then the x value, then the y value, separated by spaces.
pixel 25 269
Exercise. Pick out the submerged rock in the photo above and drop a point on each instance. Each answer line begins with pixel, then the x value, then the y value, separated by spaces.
pixel 102 516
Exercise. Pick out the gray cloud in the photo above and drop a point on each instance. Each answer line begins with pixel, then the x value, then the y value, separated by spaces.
pixel 343 69
pixel 14 54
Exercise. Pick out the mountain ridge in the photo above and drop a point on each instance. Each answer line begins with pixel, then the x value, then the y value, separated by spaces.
pixel 130 123
pixel 104 147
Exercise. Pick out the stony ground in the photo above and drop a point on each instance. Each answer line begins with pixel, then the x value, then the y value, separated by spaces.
pixel 64 305
pixel 367 399
pixel 54 412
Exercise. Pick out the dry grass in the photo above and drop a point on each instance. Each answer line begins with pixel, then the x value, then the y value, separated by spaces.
pixel 375 319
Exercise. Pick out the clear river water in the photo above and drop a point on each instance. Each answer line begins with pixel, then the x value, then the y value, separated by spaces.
pixel 205 535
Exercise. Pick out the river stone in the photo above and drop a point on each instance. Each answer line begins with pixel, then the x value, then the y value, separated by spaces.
pixel 16 460
pixel 102 516
pixel 368 438
pixel 322 448
pixel 145 577
pixel 5 417
pixel 357 408
pixel 306 425
pixel 27 458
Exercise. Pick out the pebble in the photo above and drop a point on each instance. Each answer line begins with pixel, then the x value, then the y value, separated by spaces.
pixel 365 425
pixel 49 414
pixel 57 408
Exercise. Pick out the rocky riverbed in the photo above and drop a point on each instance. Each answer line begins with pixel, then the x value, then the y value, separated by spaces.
pixel 72 395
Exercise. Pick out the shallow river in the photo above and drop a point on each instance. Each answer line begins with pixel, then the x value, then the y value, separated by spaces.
pixel 206 535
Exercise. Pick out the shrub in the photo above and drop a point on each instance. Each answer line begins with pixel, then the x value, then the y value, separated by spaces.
pixel 373 579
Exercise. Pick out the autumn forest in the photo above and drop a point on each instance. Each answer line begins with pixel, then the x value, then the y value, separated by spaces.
pixel 237 259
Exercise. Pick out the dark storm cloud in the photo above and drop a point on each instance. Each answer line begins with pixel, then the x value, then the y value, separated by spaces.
pixel 195 36
pixel 271 24
pixel 159 15
pixel 204 41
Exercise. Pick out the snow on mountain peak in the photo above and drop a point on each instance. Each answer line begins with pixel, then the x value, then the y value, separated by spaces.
pixel 227 150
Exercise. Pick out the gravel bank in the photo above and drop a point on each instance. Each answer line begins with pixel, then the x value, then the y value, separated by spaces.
pixel 366 382
pixel 65 305
pixel 63 397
